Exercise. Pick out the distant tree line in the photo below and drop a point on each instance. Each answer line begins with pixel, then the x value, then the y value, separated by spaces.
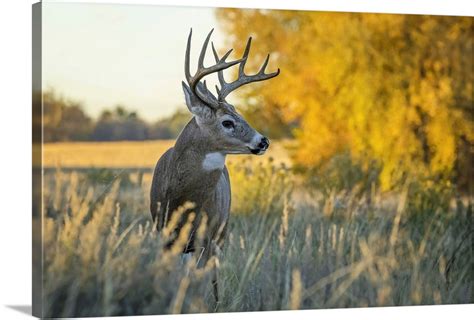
pixel 66 120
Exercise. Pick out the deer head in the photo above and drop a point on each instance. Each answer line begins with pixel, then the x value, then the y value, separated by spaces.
pixel 217 118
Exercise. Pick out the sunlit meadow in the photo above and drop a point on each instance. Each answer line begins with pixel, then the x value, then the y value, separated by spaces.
pixel 366 201
pixel 290 245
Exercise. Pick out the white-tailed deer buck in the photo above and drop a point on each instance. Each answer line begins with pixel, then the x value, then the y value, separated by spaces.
pixel 194 169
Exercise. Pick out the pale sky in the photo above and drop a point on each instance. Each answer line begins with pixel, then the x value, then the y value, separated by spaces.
pixel 103 54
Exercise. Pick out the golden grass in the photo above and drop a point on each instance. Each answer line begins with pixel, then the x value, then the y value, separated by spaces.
pixel 103 256
pixel 129 154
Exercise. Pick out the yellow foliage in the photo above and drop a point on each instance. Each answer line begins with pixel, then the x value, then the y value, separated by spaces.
pixel 396 89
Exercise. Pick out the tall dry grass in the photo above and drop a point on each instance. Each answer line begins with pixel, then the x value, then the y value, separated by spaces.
pixel 103 257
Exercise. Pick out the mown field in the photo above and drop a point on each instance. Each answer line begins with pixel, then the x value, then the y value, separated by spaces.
pixel 291 245
pixel 142 154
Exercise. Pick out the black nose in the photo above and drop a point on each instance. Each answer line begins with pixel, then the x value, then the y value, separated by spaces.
pixel 264 143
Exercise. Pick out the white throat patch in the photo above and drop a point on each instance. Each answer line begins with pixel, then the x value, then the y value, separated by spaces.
pixel 213 161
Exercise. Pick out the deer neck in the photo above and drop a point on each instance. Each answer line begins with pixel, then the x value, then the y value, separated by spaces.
pixel 197 164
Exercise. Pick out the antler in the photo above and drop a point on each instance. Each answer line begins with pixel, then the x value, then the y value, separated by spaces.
pixel 243 79
pixel 198 88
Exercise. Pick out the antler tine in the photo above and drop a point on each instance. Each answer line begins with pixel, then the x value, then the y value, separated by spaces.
pixel 243 79
pixel 187 72
pixel 245 56
pixel 220 74
pixel 264 75
pixel 203 50
pixel 202 71
pixel 264 65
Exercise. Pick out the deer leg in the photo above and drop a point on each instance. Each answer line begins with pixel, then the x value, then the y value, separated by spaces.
pixel 216 252
pixel 215 288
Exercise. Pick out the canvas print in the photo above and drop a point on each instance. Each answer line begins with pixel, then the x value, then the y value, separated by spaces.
pixel 197 160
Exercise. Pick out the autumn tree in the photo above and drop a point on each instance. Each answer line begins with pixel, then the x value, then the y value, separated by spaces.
pixel 394 89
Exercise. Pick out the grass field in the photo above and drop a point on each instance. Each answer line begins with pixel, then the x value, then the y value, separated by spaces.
pixel 124 154
pixel 289 246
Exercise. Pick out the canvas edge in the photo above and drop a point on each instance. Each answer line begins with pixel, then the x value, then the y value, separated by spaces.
pixel 37 165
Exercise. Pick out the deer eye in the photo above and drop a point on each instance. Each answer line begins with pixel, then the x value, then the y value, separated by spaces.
pixel 228 124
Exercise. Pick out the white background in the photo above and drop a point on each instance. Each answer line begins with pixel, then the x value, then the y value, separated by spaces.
pixel 15 154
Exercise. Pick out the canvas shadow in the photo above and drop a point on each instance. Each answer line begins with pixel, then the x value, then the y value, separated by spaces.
pixel 25 309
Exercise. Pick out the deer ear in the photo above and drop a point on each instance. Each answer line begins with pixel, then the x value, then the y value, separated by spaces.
pixel 195 105
pixel 187 95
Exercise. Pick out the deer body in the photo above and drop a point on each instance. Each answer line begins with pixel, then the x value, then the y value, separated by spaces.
pixel 194 169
